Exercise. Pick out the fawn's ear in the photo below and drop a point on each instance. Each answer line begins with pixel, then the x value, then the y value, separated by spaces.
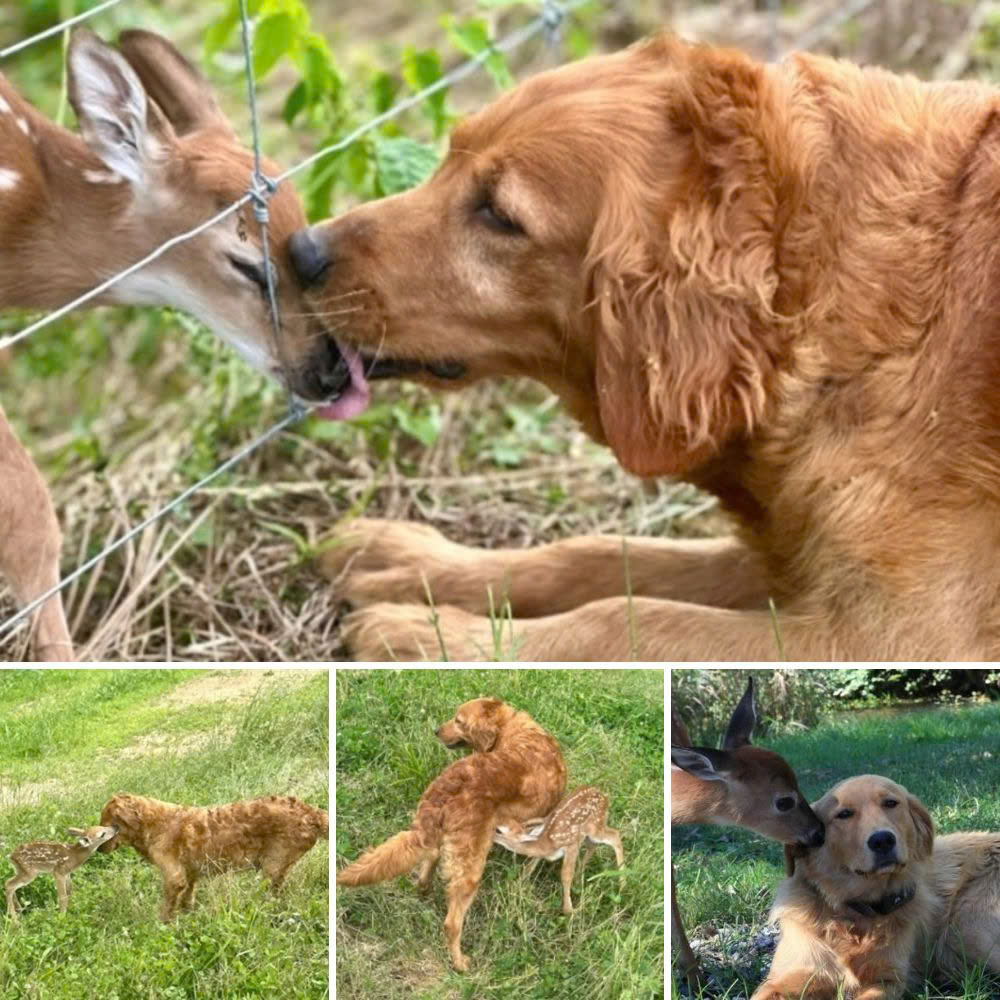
pixel 74 832
pixel 702 762
pixel 683 270
pixel 116 119
pixel 743 721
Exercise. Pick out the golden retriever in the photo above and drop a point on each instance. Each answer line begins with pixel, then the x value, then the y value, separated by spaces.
pixel 882 902
pixel 778 282
pixel 185 842
pixel 515 772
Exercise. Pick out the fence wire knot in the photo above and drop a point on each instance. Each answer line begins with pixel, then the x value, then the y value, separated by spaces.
pixel 553 14
pixel 260 191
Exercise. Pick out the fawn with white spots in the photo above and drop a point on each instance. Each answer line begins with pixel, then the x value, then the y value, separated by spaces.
pixel 155 158
pixel 581 818
pixel 59 860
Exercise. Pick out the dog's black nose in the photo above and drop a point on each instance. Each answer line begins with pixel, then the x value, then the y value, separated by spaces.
pixel 882 841
pixel 309 259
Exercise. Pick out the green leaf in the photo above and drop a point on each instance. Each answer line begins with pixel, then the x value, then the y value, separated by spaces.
pixel 401 163
pixel 384 89
pixel 472 37
pixel 271 40
pixel 425 427
pixel 295 102
pixel 319 75
pixel 420 70
pixel 218 33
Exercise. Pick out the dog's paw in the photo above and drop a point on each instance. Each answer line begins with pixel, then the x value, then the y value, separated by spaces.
pixel 379 560
pixel 384 631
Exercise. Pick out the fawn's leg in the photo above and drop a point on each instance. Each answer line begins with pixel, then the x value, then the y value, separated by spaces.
pixel 686 961
pixel 12 885
pixel 396 561
pixel 30 541
pixel 62 890
pixel 568 867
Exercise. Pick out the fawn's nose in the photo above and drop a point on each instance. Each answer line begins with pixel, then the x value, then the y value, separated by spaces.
pixel 309 257
pixel 882 841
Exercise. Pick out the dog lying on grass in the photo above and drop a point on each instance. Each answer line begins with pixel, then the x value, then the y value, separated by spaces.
pixel 185 842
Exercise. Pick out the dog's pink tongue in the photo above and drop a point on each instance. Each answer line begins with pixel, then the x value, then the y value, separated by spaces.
pixel 354 399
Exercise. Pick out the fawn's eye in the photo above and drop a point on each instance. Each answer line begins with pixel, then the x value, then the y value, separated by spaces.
pixel 784 803
pixel 253 272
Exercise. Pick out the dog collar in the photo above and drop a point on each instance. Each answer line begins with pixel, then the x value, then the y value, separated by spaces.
pixel 884 904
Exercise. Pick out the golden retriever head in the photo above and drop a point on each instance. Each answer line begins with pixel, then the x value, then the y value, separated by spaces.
pixel 476 724
pixel 607 228
pixel 124 813
pixel 875 831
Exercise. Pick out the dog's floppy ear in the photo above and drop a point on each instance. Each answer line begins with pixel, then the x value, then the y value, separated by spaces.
pixel 484 728
pixel 924 826
pixel 684 274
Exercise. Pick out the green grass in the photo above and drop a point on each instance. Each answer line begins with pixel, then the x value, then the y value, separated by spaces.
pixel 948 757
pixel 70 739
pixel 390 942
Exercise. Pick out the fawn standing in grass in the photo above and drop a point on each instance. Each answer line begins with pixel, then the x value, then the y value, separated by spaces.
pixel 740 785
pixel 579 817
pixel 40 856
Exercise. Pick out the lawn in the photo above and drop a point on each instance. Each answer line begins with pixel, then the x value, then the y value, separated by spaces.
pixel 947 757
pixel 70 740
pixel 390 943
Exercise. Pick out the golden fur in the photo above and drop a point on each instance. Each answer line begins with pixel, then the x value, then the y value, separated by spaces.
pixel 827 945
pixel 186 842
pixel 779 282
pixel 514 773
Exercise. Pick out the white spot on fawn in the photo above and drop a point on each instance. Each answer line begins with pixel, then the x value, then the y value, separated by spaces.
pixel 102 177
pixel 22 124
pixel 4 107
pixel 8 179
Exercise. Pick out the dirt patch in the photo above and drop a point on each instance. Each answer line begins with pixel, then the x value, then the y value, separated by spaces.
pixel 234 685
pixel 28 793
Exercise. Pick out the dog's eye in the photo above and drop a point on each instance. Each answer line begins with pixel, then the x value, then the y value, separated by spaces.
pixel 890 803
pixel 497 219
pixel 844 814
pixel 784 804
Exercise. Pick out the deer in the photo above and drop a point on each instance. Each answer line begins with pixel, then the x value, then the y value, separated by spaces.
pixel 739 785
pixel 580 818
pixel 59 860
pixel 154 158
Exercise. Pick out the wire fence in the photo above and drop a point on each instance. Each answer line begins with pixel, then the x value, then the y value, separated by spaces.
pixel 261 188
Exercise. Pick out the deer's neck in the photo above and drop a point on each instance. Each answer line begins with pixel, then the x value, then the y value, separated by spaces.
pixel 63 214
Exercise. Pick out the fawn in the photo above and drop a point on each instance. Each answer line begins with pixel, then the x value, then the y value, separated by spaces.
pixel 739 785
pixel 40 856
pixel 579 817
pixel 155 156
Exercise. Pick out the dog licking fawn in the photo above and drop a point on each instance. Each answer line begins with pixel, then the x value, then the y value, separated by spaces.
pixel 58 860
pixel 580 818
pixel 739 785
pixel 155 158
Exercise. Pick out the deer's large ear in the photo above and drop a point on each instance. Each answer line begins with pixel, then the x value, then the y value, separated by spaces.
pixel 116 119
pixel 702 762
pixel 173 83
pixel 743 721
pixel 75 832
pixel 683 271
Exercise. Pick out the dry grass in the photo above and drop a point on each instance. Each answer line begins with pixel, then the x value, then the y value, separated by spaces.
pixel 229 577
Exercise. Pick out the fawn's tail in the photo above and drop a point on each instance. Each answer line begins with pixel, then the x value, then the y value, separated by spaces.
pixel 395 857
